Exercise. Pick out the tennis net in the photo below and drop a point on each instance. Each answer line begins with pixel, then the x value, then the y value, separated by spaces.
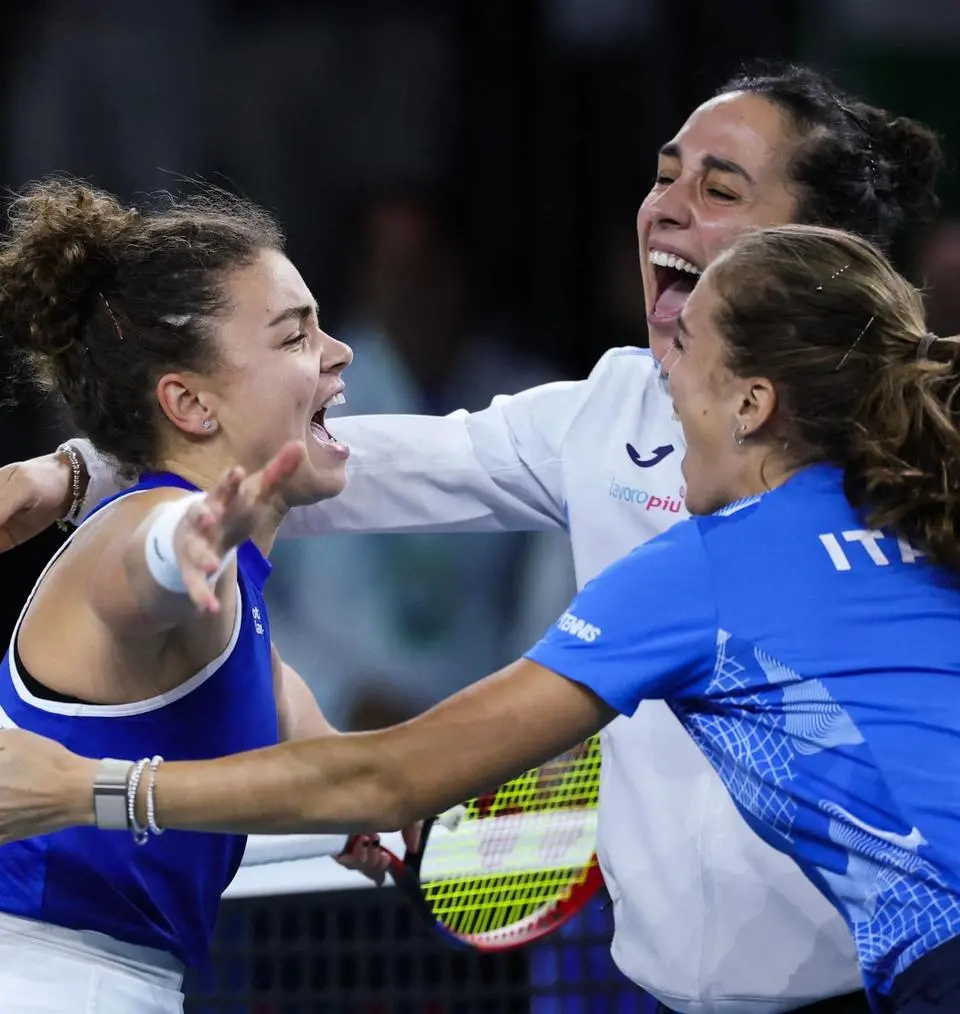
pixel 305 936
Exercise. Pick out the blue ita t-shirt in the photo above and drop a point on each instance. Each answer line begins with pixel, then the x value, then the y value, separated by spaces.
pixel 816 665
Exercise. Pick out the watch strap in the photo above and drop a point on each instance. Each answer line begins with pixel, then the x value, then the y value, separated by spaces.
pixel 110 794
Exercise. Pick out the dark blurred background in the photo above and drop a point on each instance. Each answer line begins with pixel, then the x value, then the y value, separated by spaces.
pixel 458 180
pixel 537 122
pixel 518 136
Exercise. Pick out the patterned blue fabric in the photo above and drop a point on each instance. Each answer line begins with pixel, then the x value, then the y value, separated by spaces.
pixel 814 663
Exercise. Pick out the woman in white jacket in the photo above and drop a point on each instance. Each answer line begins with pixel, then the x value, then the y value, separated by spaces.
pixel 697 896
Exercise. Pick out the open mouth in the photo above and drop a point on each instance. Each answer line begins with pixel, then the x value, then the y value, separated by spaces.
pixel 318 425
pixel 675 278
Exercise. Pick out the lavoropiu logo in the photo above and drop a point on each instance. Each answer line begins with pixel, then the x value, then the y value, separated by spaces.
pixel 648 501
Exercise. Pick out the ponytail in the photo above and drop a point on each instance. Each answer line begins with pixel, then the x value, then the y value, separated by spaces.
pixel 903 466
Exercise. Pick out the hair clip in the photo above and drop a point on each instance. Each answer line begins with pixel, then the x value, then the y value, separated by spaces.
pixel 856 341
pixel 176 319
pixel 113 317
pixel 836 274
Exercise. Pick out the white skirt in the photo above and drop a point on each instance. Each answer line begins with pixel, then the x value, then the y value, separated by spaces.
pixel 47 969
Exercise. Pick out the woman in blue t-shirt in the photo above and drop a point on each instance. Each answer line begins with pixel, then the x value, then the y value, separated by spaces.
pixel 802 625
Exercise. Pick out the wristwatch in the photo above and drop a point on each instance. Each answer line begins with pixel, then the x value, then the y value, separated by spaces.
pixel 110 794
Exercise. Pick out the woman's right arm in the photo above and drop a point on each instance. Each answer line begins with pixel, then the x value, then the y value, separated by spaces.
pixel 137 584
pixel 176 561
pixel 494 470
pixel 621 641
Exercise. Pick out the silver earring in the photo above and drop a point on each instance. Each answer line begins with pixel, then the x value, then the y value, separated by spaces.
pixel 208 424
pixel 738 436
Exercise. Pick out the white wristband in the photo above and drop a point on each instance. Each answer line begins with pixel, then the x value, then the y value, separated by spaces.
pixel 161 557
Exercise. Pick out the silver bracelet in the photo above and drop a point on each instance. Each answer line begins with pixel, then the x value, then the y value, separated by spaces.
pixel 76 503
pixel 152 825
pixel 139 831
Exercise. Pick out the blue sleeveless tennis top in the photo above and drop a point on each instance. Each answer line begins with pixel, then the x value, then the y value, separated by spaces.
pixel 164 894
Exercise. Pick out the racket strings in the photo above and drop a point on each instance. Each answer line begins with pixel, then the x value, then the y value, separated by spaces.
pixel 520 850
pixel 487 904
pixel 571 781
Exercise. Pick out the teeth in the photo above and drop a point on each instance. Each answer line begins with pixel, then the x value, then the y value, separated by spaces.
pixel 665 260
pixel 337 399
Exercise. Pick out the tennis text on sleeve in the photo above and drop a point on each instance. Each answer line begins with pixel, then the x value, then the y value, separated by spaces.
pixel 571 624
pixel 859 547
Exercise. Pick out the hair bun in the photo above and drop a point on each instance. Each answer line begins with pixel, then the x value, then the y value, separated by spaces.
pixel 63 245
pixel 909 159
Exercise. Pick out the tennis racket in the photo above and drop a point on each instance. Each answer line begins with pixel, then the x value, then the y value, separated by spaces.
pixel 500 871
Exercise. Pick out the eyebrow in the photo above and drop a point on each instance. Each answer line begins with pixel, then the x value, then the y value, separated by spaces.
pixel 722 165
pixel 294 313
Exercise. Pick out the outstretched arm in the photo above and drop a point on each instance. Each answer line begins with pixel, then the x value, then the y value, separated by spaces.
pixel 622 640
pixel 497 470
pixel 494 470
pixel 300 718
pixel 481 737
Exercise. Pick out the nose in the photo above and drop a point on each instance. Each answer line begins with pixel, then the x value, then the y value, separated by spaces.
pixel 670 208
pixel 665 364
pixel 335 355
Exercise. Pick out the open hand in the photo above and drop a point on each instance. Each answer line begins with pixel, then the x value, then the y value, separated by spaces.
pixel 229 514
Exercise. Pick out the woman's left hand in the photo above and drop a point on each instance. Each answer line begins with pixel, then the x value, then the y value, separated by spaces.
pixel 43 786
pixel 367 857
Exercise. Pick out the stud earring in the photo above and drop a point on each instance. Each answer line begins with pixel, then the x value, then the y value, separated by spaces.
pixel 738 436
pixel 208 424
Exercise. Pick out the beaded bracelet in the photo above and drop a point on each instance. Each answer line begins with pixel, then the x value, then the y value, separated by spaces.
pixel 152 825
pixel 76 503
pixel 139 831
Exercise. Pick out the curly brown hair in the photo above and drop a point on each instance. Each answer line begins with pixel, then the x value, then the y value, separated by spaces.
pixel 103 299
pixel 823 315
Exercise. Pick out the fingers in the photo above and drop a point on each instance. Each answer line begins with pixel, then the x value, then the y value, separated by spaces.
pixel 264 484
pixel 225 492
pixel 198 563
pixel 365 855
pixel 237 502
pixel 224 518
pixel 199 555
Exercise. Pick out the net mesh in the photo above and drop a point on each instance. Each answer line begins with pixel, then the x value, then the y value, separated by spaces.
pixel 347 951
pixel 544 820
pixel 299 937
